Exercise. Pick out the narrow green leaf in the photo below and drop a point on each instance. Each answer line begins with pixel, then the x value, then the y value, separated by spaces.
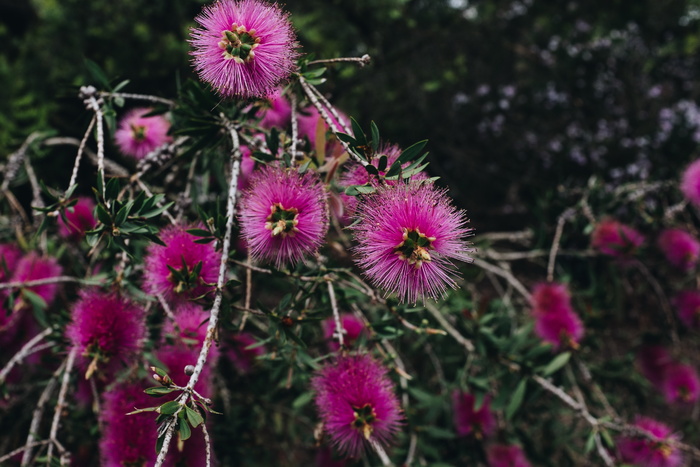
pixel 97 74
pixel 147 409
pixel 375 137
pixel 184 429
pixel 347 138
pixel 357 131
pixel 193 417
pixel 516 399
pixel 158 391
pixel 558 362
pixel 169 408
pixel 302 400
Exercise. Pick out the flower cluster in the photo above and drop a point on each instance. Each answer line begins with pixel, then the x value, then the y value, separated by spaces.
pixel 556 321
pixel 138 135
pixel 678 382
pixel 687 303
pixel 469 420
pixel 353 328
pixel 612 238
pixel 652 451
pixel 681 248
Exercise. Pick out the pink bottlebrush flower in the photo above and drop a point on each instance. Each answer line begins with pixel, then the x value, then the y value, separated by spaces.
pixel 645 452
pixel 127 439
pixel 690 183
pixel 311 123
pixel 357 175
pixel 653 360
pixel 353 326
pixel 33 267
pixel 240 356
pixel 613 238
pixel 244 48
pixel 184 256
pixel 680 248
pixel 481 423
pixel 107 329
pixel 680 384
pixel 407 235
pixel 687 305
pixel 356 401
pixel 138 135
pixel 277 112
pixel 284 215
pixel 563 329
pixel 501 455
pixel 80 219
pixel 9 257
pixel 326 458
pixel 175 357
pixel 189 326
pixel 551 298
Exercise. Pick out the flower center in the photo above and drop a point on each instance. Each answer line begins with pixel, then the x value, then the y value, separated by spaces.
pixel 364 417
pixel 185 278
pixel 138 132
pixel 664 449
pixel 282 221
pixel 414 247
pixel 239 44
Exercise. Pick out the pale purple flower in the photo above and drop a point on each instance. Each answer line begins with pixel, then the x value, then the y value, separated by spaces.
pixel 80 219
pixel 284 215
pixel 277 112
pixel 356 402
pixel 655 452
pixel 34 267
pixel 183 255
pixel 680 384
pixel 613 238
pixel 687 305
pixel 680 248
pixel 189 325
pixel 244 48
pixel 311 123
pixel 407 235
pixel 352 325
pixel 240 355
pixel 138 135
pixel 107 329
pixel 471 421
pixel 501 455
pixel 690 183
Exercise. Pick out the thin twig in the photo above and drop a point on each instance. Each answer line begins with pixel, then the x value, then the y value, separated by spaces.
pixel 49 280
pixel 81 147
pixel 15 160
pixel 140 97
pixel 207 443
pixel 380 451
pixel 12 454
pixel 361 61
pixel 437 314
pixel 339 330
pixel 27 349
pixel 295 125
pixel 61 402
pixel 506 275
pixel 565 216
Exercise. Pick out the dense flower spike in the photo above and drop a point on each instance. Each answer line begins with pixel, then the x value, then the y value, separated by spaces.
pixel 189 324
pixel 501 455
pixel 138 135
pixel 107 329
pixel 244 48
pixel 126 439
pixel 613 238
pixel 687 305
pixel 655 452
pixel 468 421
pixel 407 235
pixel 690 183
pixel 356 402
pixel 284 215
pixel 352 325
pixel 556 321
pixel 33 267
pixel 182 269
pixel 680 384
pixel 80 219
pixel 680 248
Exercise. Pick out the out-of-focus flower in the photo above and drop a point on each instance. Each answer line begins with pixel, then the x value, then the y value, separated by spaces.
pixel 243 48
pixel 138 135
pixel 468 420
pixel 551 297
pixel 9 257
pixel 182 269
pixel 352 325
pixel 556 321
pixel 501 455
pixel 356 402
pixel 311 124
pixel 107 329
pixel 284 215
pixel 33 267
pixel 613 238
pixel 690 183
pixel 653 360
pixel 654 452
pixel 80 219
pixel 277 112
pixel 680 248
pixel 680 384
pixel 243 358
pixel 407 235
pixel 687 305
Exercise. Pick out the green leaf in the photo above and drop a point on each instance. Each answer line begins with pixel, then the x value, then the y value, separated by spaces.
pixel 158 391
pixel 97 74
pixel 516 399
pixel 590 442
pixel 558 362
pixel 302 400
pixel 437 433
pixel 193 416
pixel 411 153
pixel 359 134
pixel 347 139
pixel 375 137
pixel 169 408
pixel 185 431
pixel 147 409
pixel 112 188
pixel 103 215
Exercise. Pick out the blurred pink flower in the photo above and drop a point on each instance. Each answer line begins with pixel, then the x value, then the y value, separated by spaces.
pixel 645 452
pixel 352 325
pixel 551 297
pixel 277 112
pixel 33 267
pixel 241 357
pixel 9 257
pixel 501 455
pixel 183 255
pixel 356 402
pixel 311 123
pixel 680 384
pixel 680 248
pixel 613 238
pixel 687 305
pixel 480 423
pixel 80 219
pixel 690 183
pixel 138 135
pixel 284 215
pixel 243 48
pixel 556 321
pixel 407 235
pixel 653 360
pixel 189 325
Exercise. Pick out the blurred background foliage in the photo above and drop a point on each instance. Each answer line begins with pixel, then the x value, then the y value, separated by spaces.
pixel 517 98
